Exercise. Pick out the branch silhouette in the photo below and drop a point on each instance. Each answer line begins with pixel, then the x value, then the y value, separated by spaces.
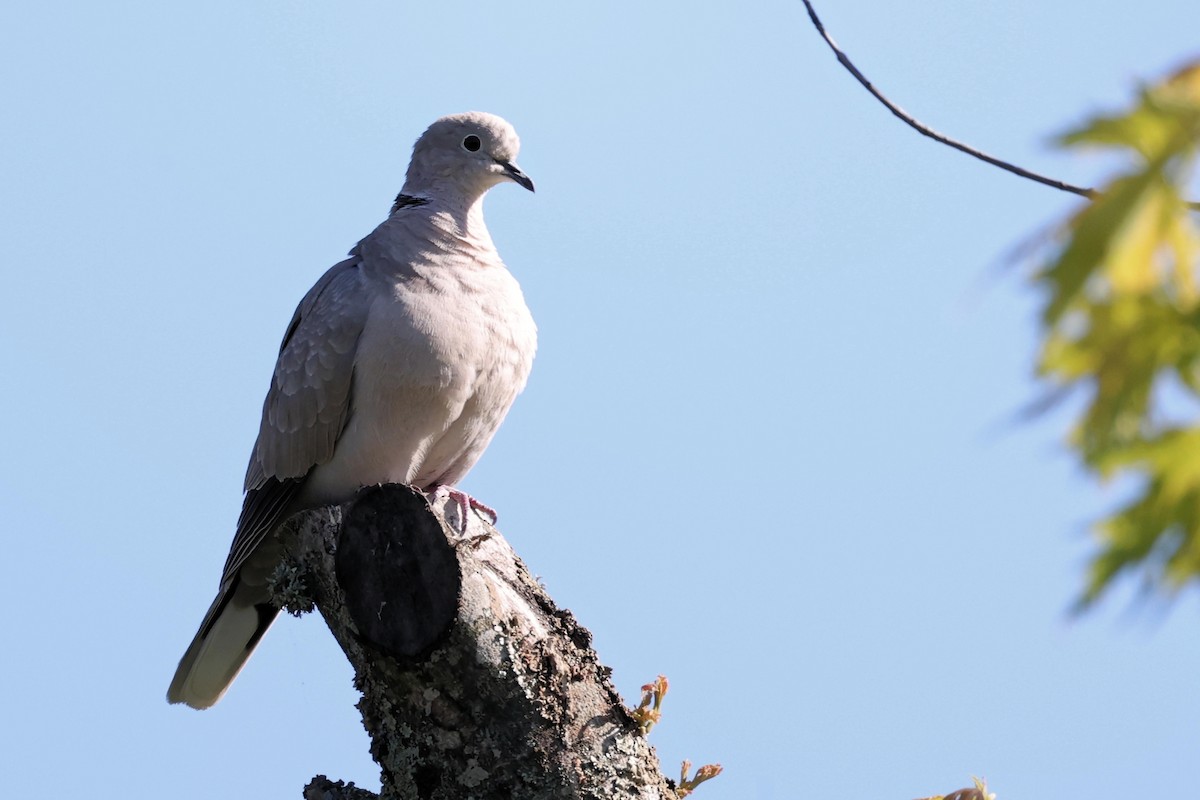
pixel 925 130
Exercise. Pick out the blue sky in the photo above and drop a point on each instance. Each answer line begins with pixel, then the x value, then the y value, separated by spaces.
pixel 767 448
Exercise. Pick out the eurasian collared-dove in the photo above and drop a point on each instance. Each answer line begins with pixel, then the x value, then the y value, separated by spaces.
pixel 397 367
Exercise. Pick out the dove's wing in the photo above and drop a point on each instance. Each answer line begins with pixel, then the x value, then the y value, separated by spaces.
pixel 307 405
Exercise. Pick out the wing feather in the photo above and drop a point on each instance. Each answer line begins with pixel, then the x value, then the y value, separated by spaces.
pixel 309 400
pixel 307 406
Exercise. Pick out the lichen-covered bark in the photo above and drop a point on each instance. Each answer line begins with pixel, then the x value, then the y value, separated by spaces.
pixel 501 697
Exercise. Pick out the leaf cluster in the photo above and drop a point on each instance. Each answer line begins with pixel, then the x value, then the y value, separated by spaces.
pixel 1121 325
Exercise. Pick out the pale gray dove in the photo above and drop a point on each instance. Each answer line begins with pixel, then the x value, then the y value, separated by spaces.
pixel 397 367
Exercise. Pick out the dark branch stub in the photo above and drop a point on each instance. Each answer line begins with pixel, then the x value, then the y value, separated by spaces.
pixel 399 573
pixel 925 130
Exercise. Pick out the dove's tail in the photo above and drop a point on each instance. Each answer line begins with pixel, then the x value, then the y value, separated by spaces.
pixel 231 630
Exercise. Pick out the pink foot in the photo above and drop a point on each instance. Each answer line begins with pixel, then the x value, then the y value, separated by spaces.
pixel 466 503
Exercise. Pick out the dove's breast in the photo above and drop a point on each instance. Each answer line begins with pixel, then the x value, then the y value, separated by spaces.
pixel 442 356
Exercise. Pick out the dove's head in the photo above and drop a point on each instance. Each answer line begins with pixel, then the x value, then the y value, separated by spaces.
pixel 465 153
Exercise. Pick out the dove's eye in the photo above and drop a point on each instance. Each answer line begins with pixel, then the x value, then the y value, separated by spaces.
pixel 472 143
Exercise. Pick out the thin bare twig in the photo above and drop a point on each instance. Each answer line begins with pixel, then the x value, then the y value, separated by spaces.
pixel 925 130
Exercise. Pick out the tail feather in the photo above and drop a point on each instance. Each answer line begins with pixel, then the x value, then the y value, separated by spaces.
pixel 232 628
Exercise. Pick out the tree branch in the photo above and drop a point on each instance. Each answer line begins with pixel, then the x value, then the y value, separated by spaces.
pixel 474 684
pixel 925 130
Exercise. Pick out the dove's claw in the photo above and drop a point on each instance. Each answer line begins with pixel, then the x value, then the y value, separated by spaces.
pixel 464 503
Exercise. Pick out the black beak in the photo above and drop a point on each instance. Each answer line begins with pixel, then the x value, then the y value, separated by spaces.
pixel 514 172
